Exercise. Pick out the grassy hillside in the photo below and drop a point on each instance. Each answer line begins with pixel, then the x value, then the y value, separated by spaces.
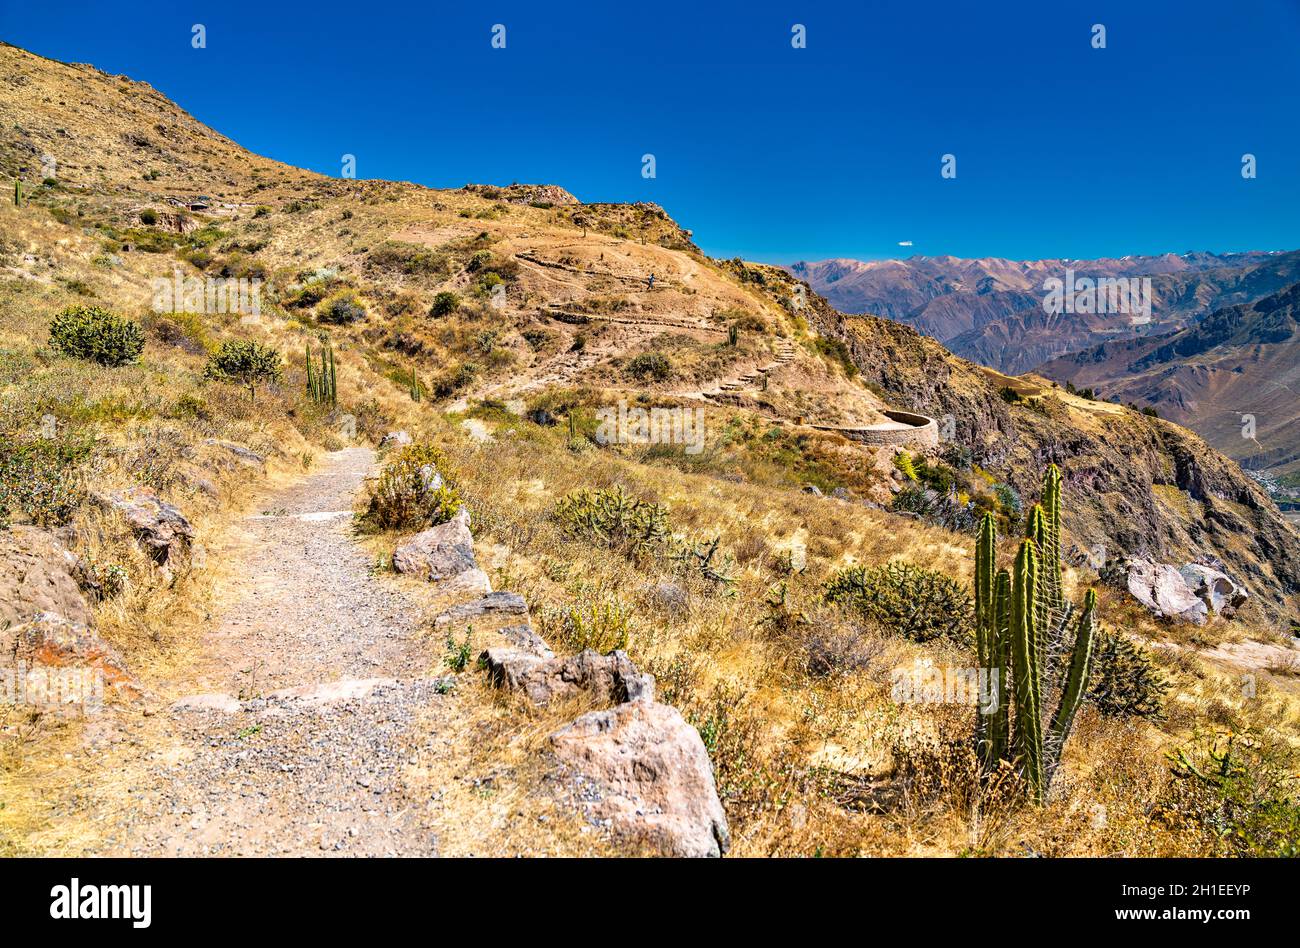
pixel 497 322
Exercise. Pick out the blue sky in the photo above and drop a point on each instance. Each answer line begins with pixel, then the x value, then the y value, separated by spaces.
pixel 765 151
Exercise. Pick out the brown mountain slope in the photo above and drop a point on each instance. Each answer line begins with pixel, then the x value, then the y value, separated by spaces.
pixel 1240 361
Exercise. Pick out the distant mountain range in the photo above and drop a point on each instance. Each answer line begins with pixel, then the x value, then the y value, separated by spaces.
pixel 991 310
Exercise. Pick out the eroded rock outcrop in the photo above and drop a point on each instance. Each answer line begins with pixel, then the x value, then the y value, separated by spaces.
pixel 55 641
pixel 159 527
pixel 611 677
pixel 37 576
pixel 1162 589
pixel 1214 588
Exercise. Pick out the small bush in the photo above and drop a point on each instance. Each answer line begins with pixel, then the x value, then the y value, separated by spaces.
pixel 89 332
pixel 41 479
pixel 411 259
pixel 1240 790
pixel 600 624
pixel 244 362
pixel 1126 681
pixel 444 304
pixel 918 604
pixel 413 490
pixel 148 217
pixel 342 308
pixel 650 365
pixel 903 461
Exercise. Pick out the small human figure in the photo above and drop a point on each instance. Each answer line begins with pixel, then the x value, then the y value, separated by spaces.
pixel 651 281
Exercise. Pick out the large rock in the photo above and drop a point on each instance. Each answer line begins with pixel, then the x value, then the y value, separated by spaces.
pixel 653 776
pixel 1214 588
pixel 54 641
pixel 36 576
pixel 160 528
pixel 1162 589
pixel 610 677
pixel 439 553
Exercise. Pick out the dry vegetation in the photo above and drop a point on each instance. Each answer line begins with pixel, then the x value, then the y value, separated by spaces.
pixel 791 694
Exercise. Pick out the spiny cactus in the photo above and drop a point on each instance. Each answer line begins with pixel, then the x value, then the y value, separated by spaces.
pixel 1031 643
pixel 18 193
pixel 322 379
pixel 733 335
pixel 414 388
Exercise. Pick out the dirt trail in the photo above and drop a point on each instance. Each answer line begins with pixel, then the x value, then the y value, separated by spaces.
pixel 318 770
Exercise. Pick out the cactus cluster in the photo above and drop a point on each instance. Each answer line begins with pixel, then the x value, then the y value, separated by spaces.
pixel 322 380
pixel 413 387
pixel 1033 644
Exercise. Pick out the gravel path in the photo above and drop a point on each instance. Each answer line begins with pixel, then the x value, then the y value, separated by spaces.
pixel 317 767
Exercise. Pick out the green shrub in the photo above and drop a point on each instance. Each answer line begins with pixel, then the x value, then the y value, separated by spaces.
pixel 454 379
pixel 408 258
pixel 486 282
pixel 444 304
pixel 903 461
pixel 89 332
pixel 341 308
pixel 838 351
pixel 650 365
pixel 148 217
pixel 1126 681
pixel 918 604
pixel 244 362
pixel 41 479
pixel 414 490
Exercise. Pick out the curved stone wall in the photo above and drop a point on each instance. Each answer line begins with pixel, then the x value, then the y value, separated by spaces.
pixel 910 430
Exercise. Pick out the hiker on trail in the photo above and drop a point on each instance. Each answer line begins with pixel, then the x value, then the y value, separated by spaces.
pixel 651 281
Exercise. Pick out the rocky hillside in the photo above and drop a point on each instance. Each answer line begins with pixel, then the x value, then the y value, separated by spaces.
pixel 1148 486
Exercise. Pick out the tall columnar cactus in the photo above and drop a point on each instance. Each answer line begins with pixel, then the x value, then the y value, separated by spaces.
pixel 18 193
pixel 322 380
pixel 413 389
pixel 1028 639
pixel 991 592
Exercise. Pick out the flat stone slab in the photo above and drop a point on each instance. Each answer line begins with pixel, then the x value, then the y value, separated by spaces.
pixel 501 602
